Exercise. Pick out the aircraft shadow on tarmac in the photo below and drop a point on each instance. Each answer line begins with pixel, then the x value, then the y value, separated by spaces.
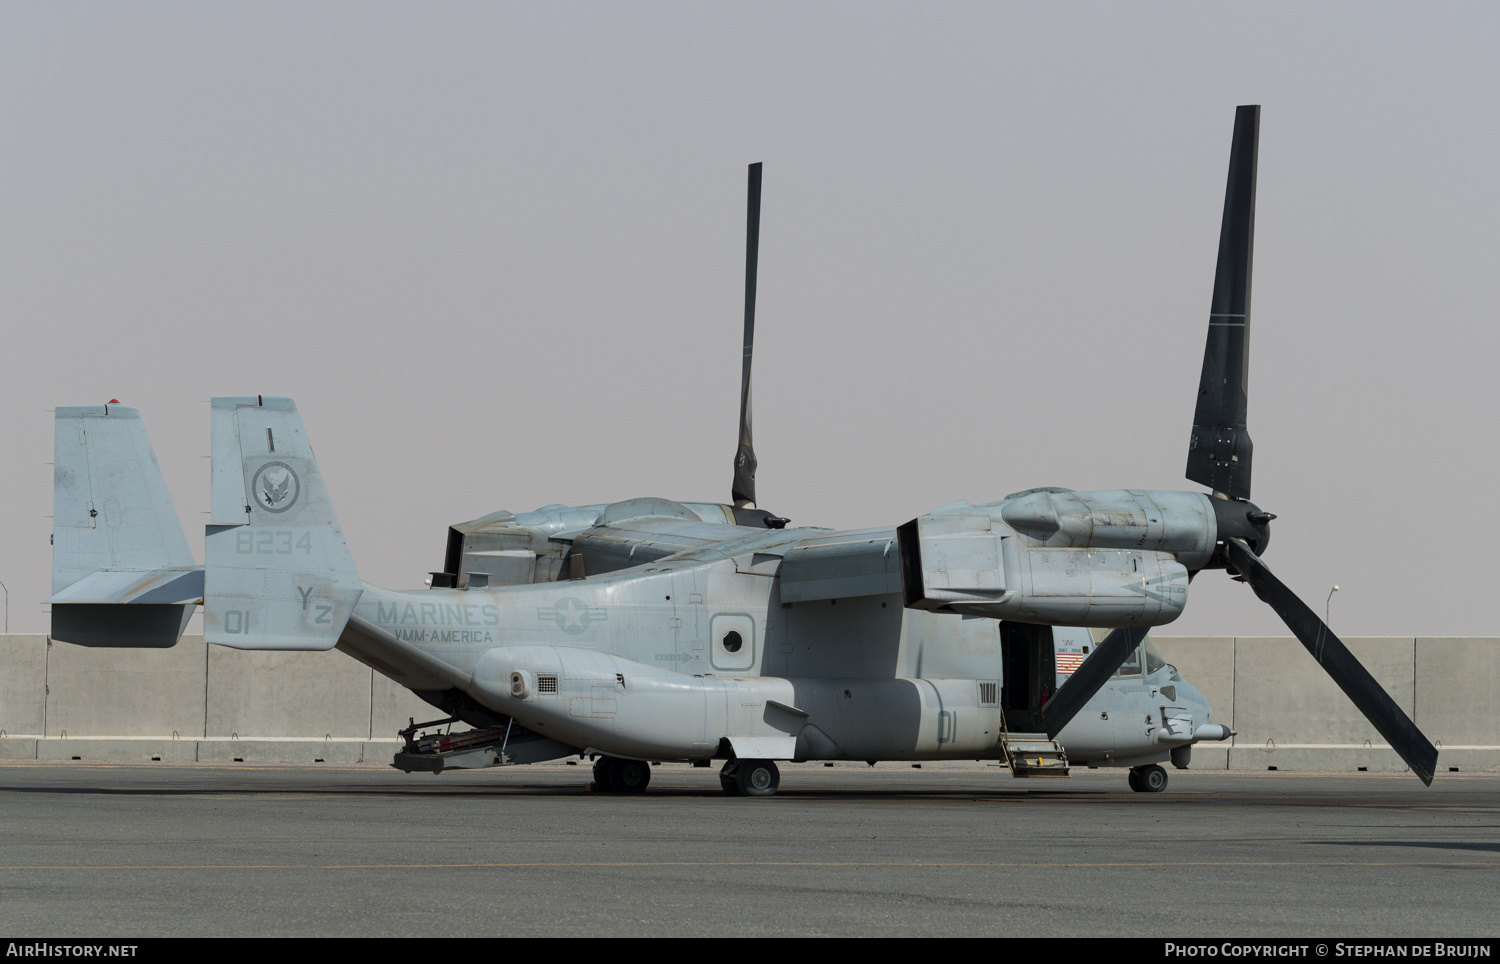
pixel 872 794
pixel 269 782
pixel 1427 844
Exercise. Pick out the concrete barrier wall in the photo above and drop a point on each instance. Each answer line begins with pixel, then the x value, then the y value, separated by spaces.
pixel 280 694
pixel 195 702
pixel 23 685
pixel 208 703
pixel 1288 714
pixel 126 692
pixel 1458 680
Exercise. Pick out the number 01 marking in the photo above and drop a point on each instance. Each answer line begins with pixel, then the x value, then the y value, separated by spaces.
pixel 236 621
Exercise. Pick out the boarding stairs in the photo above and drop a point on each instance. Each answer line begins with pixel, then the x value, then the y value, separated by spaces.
pixel 1034 755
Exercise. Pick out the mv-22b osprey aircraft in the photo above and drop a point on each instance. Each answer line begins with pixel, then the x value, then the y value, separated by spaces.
pixel 653 630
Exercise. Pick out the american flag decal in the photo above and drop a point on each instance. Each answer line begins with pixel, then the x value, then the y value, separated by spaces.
pixel 1068 663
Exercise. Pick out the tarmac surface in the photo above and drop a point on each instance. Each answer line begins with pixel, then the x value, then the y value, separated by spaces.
pixel 170 849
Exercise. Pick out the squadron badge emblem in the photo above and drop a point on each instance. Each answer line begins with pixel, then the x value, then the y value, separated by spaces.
pixel 275 487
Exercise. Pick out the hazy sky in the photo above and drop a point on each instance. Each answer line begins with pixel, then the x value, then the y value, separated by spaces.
pixel 495 253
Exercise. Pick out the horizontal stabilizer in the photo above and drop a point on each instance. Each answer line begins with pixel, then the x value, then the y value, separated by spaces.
pixel 135 588
pixel 144 626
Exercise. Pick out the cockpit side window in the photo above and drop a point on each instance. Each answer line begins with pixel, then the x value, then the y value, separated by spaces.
pixel 1132 666
pixel 1154 661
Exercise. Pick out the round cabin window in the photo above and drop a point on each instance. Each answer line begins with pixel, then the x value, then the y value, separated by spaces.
pixel 733 641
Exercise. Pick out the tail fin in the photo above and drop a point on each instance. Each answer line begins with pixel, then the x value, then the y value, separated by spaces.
pixel 279 574
pixel 122 574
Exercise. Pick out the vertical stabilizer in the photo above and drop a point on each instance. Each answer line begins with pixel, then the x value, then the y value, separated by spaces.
pixel 122 573
pixel 111 510
pixel 279 574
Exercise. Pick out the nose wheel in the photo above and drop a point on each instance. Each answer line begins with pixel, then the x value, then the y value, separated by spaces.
pixel 750 778
pixel 1151 779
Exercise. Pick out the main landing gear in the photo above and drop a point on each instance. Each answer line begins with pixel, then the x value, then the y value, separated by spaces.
pixel 739 778
pixel 750 778
pixel 1148 779
pixel 621 776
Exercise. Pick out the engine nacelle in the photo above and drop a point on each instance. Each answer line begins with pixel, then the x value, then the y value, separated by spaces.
pixel 973 564
pixel 1180 523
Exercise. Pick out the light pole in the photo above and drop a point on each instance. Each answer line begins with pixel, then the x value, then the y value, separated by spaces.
pixel 1326 603
pixel 7 608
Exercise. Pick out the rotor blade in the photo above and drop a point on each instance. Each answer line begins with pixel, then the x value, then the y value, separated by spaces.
pixel 1091 676
pixel 1331 653
pixel 742 493
pixel 1220 450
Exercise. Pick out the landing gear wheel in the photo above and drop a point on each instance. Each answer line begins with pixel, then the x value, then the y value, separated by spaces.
pixel 602 776
pixel 615 775
pixel 630 776
pixel 758 778
pixel 729 779
pixel 1151 779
